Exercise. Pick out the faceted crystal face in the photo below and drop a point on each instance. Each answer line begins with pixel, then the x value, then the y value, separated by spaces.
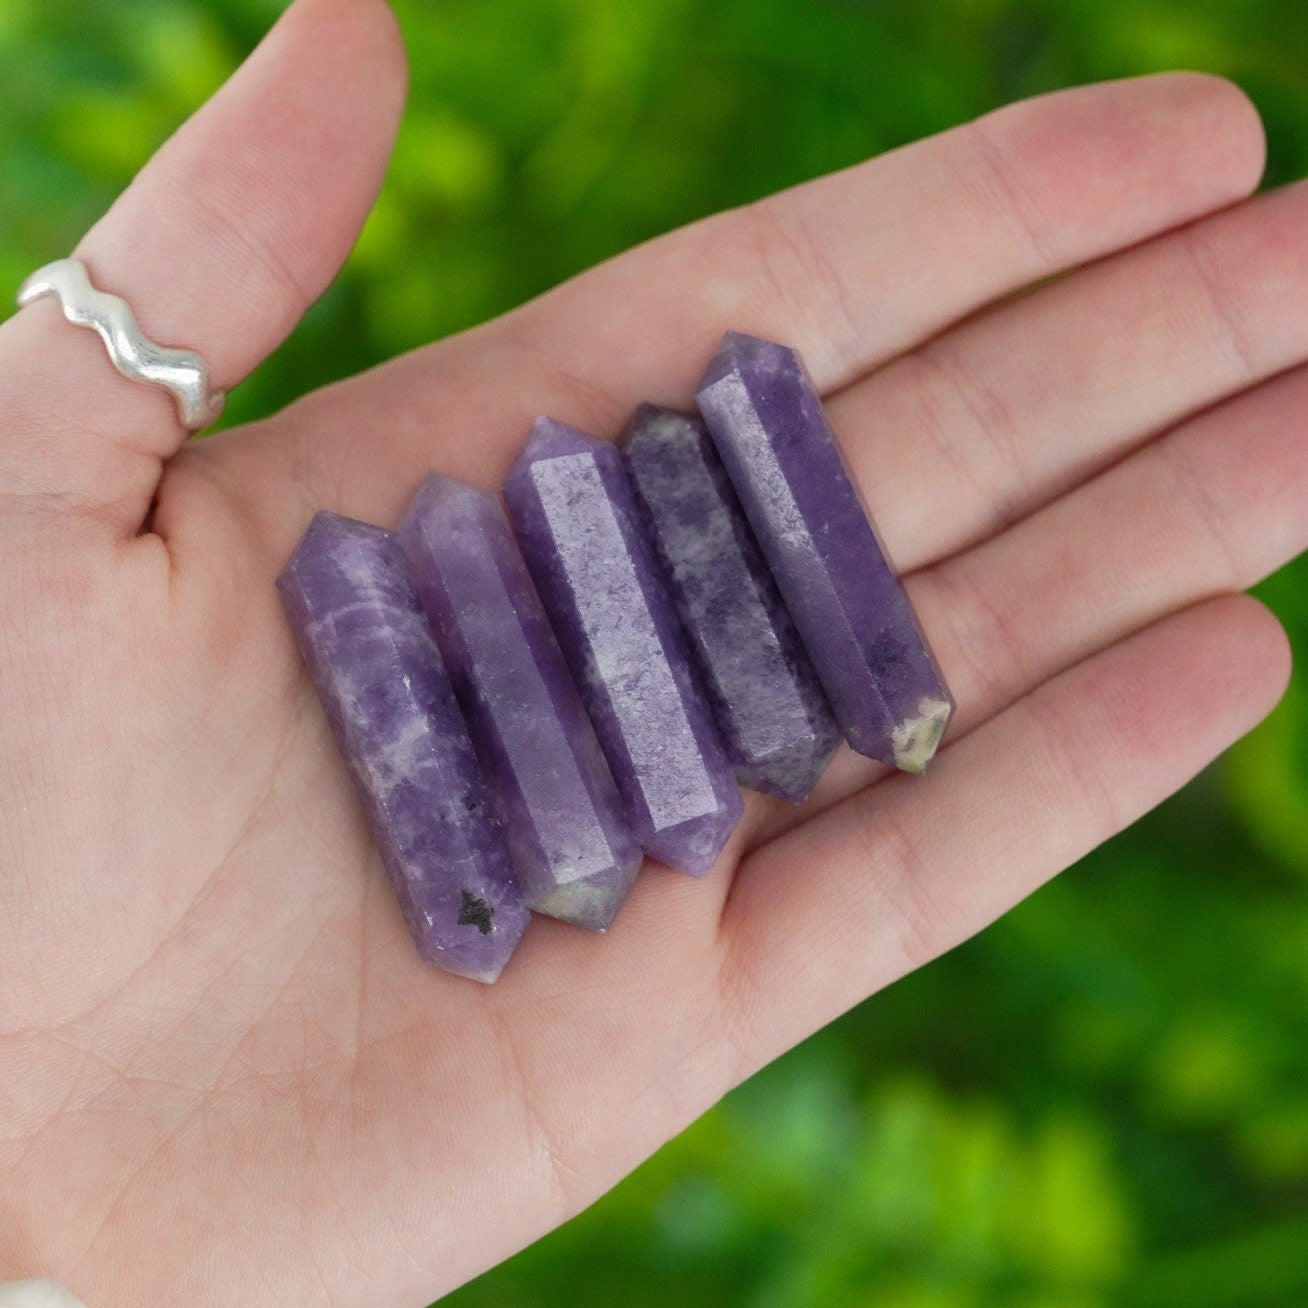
pixel 766 420
pixel 575 514
pixel 574 852
pixel 770 708
pixel 371 656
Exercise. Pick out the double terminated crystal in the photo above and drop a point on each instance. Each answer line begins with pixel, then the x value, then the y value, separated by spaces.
pixel 775 722
pixel 371 655
pixel 578 522
pixel 574 853
pixel 855 620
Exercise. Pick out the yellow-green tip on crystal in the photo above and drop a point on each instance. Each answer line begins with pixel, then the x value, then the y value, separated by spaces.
pixel 850 609
pixel 915 740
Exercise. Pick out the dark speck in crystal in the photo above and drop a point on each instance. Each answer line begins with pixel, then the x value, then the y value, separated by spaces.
pixel 475 912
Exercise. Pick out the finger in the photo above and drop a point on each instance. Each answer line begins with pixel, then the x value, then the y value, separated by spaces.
pixel 1008 409
pixel 218 245
pixel 901 872
pixel 850 268
pixel 1210 508
pixel 858 266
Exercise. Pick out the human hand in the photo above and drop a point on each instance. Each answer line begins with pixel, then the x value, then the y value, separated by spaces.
pixel 224 1073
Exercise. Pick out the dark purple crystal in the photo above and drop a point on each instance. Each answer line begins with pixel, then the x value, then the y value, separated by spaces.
pixel 371 655
pixel 773 716
pixel 767 422
pixel 577 520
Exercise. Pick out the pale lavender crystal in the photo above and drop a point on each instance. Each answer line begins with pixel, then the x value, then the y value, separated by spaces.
pixel 371 655
pixel 575 855
pixel 851 611
pixel 774 718
pixel 576 516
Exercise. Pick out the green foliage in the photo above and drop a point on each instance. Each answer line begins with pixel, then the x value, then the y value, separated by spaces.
pixel 1100 1101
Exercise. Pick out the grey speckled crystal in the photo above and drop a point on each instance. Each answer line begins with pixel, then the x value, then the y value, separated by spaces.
pixel 774 718
pixel 575 855
pixel 378 672
pixel 576 516
pixel 851 611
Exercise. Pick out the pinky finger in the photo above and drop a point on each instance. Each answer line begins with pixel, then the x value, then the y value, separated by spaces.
pixel 895 875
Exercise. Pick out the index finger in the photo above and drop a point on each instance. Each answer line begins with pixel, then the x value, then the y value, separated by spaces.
pixel 857 266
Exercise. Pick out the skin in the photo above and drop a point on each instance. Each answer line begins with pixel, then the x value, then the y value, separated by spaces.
pixel 225 1077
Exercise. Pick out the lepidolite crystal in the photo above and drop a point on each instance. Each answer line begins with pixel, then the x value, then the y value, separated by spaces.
pixel 851 611
pixel 774 718
pixel 575 855
pixel 371 655
pixel 577 520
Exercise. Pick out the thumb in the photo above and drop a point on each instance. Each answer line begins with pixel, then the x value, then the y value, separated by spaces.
pixel 219 245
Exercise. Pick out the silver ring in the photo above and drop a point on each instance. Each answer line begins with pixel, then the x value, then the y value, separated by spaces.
pixel 182 373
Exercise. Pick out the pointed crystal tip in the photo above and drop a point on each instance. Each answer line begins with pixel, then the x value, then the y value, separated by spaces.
pixel 791 773
pixel 915 740
pixel 594 902
pixel 332 536
pixel 738 351
pixel 653 423
pixel 327 528
pixel 438 487
pixel 551 439
pixel 645 412
pixel 442 504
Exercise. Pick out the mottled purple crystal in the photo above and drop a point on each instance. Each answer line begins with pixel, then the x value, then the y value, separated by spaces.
pixel 575 855
pixel 774 718
pixel 576 517
pixel 371 655
pixel 852 613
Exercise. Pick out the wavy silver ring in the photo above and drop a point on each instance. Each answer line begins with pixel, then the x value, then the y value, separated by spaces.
pixel 183 373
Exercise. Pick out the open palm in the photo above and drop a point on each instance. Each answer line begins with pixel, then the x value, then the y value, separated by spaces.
pixel 225 1076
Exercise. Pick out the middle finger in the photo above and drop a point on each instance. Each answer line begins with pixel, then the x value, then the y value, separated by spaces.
pixel 978 427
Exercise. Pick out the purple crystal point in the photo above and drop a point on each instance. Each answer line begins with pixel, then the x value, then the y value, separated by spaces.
pixel 371 655
pixel 767 422
pixel 576 516
pixel 576 857
pixel 774 718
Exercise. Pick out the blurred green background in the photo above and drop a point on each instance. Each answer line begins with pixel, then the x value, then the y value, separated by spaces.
pixel 1101 1100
